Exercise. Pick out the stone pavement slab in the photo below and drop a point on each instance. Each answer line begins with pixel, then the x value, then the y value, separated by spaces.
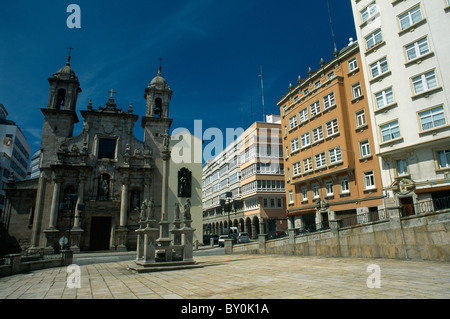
pixel 243 277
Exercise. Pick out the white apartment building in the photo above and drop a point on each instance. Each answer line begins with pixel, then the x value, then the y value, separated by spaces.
pixel 405 51
pixel 14 152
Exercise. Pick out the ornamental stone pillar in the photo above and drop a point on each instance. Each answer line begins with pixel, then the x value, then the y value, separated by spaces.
pixel 55 202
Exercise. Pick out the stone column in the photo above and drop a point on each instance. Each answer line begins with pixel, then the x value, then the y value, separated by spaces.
pixel 124 205
pixel 80 200
pixel 164 237
pixel 55 202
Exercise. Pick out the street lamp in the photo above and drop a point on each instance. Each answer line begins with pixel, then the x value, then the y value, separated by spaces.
pixel 63 207
pixel 224 205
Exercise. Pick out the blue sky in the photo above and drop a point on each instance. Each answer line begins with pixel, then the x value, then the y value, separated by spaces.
pixel 212 52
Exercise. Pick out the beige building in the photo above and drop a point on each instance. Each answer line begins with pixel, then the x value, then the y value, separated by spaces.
pixel 250 171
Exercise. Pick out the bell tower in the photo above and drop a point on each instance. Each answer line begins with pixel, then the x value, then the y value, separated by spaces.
pixel 157 96
pixel 60 114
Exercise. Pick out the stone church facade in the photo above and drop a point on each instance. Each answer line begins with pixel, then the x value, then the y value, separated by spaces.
pixel 97 180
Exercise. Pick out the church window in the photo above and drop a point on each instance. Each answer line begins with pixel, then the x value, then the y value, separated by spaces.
pixel 158 107
pixel 60 98
pixel 107 148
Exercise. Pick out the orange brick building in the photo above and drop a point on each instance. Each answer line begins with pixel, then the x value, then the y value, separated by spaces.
pixel 331 169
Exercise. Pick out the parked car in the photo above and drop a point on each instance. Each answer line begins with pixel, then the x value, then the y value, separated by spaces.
pixel 277 234
pixel 222 240
pixel 243 238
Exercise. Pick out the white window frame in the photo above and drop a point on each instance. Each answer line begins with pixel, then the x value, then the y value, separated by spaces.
pixel 437 116
pixel 303 115
pixel 316 191
pixel 291 197
pixel 329 101
pixel 305 139
pixel 317 134
pixel 443 155
pixel 364 149
pixel 401 166
pixel 315 108
pixel 368 12
pixel 419 48
pixel 383 98
pixel 391 128
pixel 307 165
pixel 425 80
pixel 373 39
pixel 360 118
pixel 293 122
pixel 369 180
pixel 294 145
pixel 329 188
pixel 335 155
pixel 304 193
pixel 320 160
pixel 357 90
pixel 352 65
pixel 409 17
pixel 344 185
pixel 376 68
pixel 332 127
pixel 296 169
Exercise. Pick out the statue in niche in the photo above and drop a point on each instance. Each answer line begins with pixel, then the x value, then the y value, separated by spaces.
pixel 184 182
pixel 187 210
pixel 103 190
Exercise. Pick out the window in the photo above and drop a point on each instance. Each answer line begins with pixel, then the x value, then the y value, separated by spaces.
pixel 424 82
pixel 315 108
pixel 364 148
pixel 330 75
pixel 444 159
pixel 107 148
pixel 291 197
pixel 320 160
pixel 306 140
pixel 303 115
pixel 432 118
pixel 332 127
pixel 294 145
pixel 284 109
pixel 285 131
pixel 329 188
pixel 390 131
pixel 306 92
pixel 328 101
pixel 344 185
pixel 373 39
pixel 384 98
pixel 352 65
pixel 417 49
pixel 292 122
pixel 369 11
pixel 369 180
pixel 307 165
pixel 402 167
pixel 287 151
pixel 378 68
pixel 407 19
pixel 360 118
pixel 296 169
pixel 304 194
pixel 317 84
pixel 316 191
pixel 356 90
pixel 317 134
pixel 335 155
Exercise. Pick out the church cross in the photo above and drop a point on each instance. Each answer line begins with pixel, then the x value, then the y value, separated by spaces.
pixel 112 92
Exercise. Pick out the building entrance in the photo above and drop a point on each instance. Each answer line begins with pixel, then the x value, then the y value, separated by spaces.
pixel 100 233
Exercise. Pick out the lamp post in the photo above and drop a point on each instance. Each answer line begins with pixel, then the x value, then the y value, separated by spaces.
pixel 64 207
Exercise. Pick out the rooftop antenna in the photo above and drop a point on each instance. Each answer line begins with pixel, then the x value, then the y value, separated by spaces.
pixel 332 30
pixel 262 91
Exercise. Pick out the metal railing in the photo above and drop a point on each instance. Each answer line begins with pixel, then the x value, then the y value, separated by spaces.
pixel 429 206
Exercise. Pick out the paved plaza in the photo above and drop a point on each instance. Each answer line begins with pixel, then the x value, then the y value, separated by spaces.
pixel 243 277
